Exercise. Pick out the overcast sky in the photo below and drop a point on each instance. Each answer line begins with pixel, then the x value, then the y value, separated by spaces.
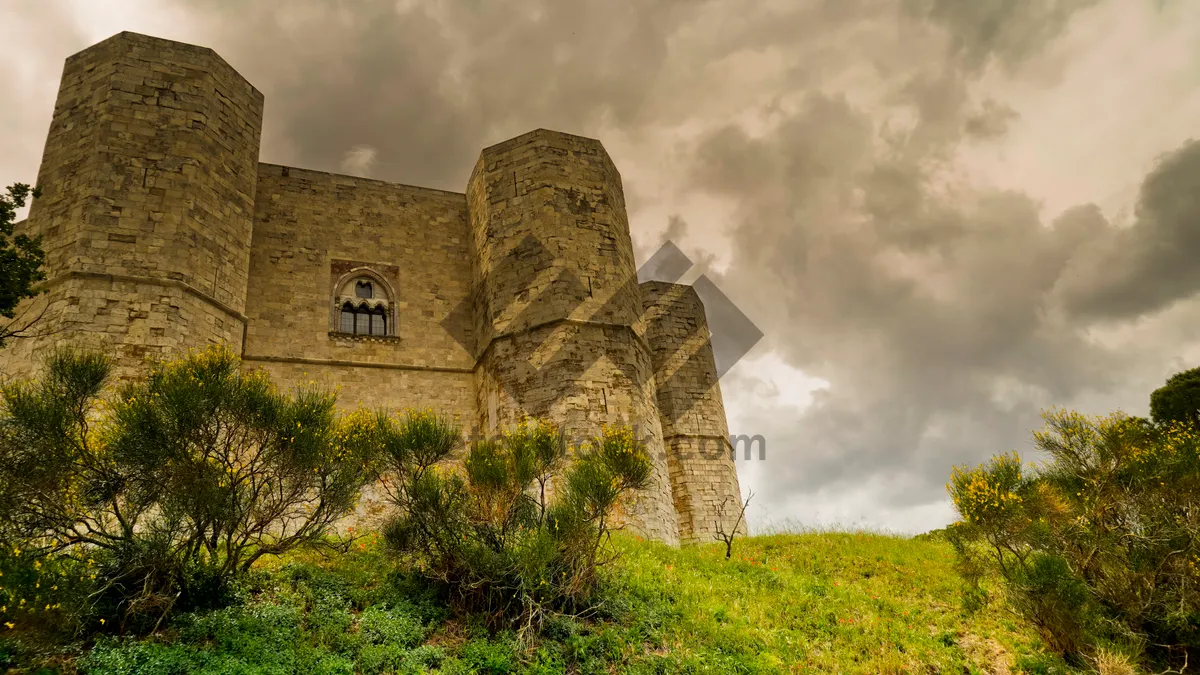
pixel 944 215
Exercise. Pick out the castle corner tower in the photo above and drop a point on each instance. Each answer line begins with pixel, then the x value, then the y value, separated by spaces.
pixel 557 301
pixel 147 202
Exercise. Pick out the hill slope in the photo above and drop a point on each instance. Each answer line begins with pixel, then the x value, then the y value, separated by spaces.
pixel 821 602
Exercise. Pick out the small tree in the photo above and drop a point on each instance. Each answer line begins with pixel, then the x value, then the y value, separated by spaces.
pixel 1100 544
pixel 490 532
pixel 724 511
pixel 1177 401
pixel 21 260
pixel 175 486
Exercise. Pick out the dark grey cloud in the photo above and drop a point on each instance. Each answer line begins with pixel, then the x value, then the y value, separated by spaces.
pixel 427 85
pixel 1009 32
pixel 336 77
pixel 926 303
pixel 1127 272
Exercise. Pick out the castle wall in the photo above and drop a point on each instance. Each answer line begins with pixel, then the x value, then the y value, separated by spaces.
pixel 163 233
pixel 147 196
pixel 310 227
pixel 558 301
pixel 703 476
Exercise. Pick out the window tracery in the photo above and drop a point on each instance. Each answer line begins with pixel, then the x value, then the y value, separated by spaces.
pixel 363 305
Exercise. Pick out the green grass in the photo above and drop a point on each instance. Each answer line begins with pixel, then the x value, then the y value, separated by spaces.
pixel 827 602
pixel 819 602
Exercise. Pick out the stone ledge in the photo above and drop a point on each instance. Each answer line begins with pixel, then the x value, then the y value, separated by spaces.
pixel 580 323
pixel 154 281
pixel 355 364
pixel 359 337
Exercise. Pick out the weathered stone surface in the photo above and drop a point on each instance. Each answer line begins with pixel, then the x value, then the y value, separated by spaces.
pixel 147 201
pixel 164 233
pixel 313 228
pixel 700 459
pixel 558 300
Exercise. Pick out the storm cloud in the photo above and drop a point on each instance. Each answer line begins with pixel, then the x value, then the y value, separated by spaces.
pixel 854 174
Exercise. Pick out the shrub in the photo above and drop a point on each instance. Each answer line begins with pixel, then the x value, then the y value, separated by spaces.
pixel 164 493
pixel 513 532
pixel 1101 544
pixel 383 626
pixel 385 658
pixel 492 657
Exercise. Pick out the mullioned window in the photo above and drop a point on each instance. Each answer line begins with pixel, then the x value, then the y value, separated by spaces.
pixel 363 305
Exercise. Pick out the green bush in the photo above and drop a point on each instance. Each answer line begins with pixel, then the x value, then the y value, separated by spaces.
pixel 383 626
pixel 1100 545
pixel 490 532
pixel 493 657
pixel 378 659
pixel 161 495
pixel 1177 401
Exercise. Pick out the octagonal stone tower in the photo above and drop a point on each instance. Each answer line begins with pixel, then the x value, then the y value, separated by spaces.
pixel 557 305
pixel 147 202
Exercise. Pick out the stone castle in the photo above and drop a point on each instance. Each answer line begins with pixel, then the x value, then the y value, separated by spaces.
pixel 163 232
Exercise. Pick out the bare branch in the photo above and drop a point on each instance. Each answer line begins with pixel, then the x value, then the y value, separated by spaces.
pixel 722 516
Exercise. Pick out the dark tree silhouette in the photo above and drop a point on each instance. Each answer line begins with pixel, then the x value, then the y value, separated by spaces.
pixel 21 260
pixel 1178 400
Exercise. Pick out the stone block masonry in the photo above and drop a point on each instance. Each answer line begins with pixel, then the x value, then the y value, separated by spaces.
pixel 147 201
pixel 312 229
pixel 704 481
pixel 556 309
pixel 517 298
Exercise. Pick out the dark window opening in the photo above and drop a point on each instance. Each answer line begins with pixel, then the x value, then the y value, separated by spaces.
pixel 362 320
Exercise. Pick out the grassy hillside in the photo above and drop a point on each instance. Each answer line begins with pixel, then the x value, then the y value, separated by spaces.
pixel 820 602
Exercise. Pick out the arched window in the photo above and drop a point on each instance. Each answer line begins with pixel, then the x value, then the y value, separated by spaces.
pixel 362 305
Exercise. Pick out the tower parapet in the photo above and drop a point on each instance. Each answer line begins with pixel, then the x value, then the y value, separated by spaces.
pixel 147 201
pixel 557 300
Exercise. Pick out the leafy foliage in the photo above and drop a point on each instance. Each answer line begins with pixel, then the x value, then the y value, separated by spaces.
pixel 1100 544
pixel 1177 401
pixel 490 532
pixel 21 258
pixel 164 493
pixel 305 625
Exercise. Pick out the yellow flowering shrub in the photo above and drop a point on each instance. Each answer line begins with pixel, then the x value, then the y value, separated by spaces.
pixel 1098 543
